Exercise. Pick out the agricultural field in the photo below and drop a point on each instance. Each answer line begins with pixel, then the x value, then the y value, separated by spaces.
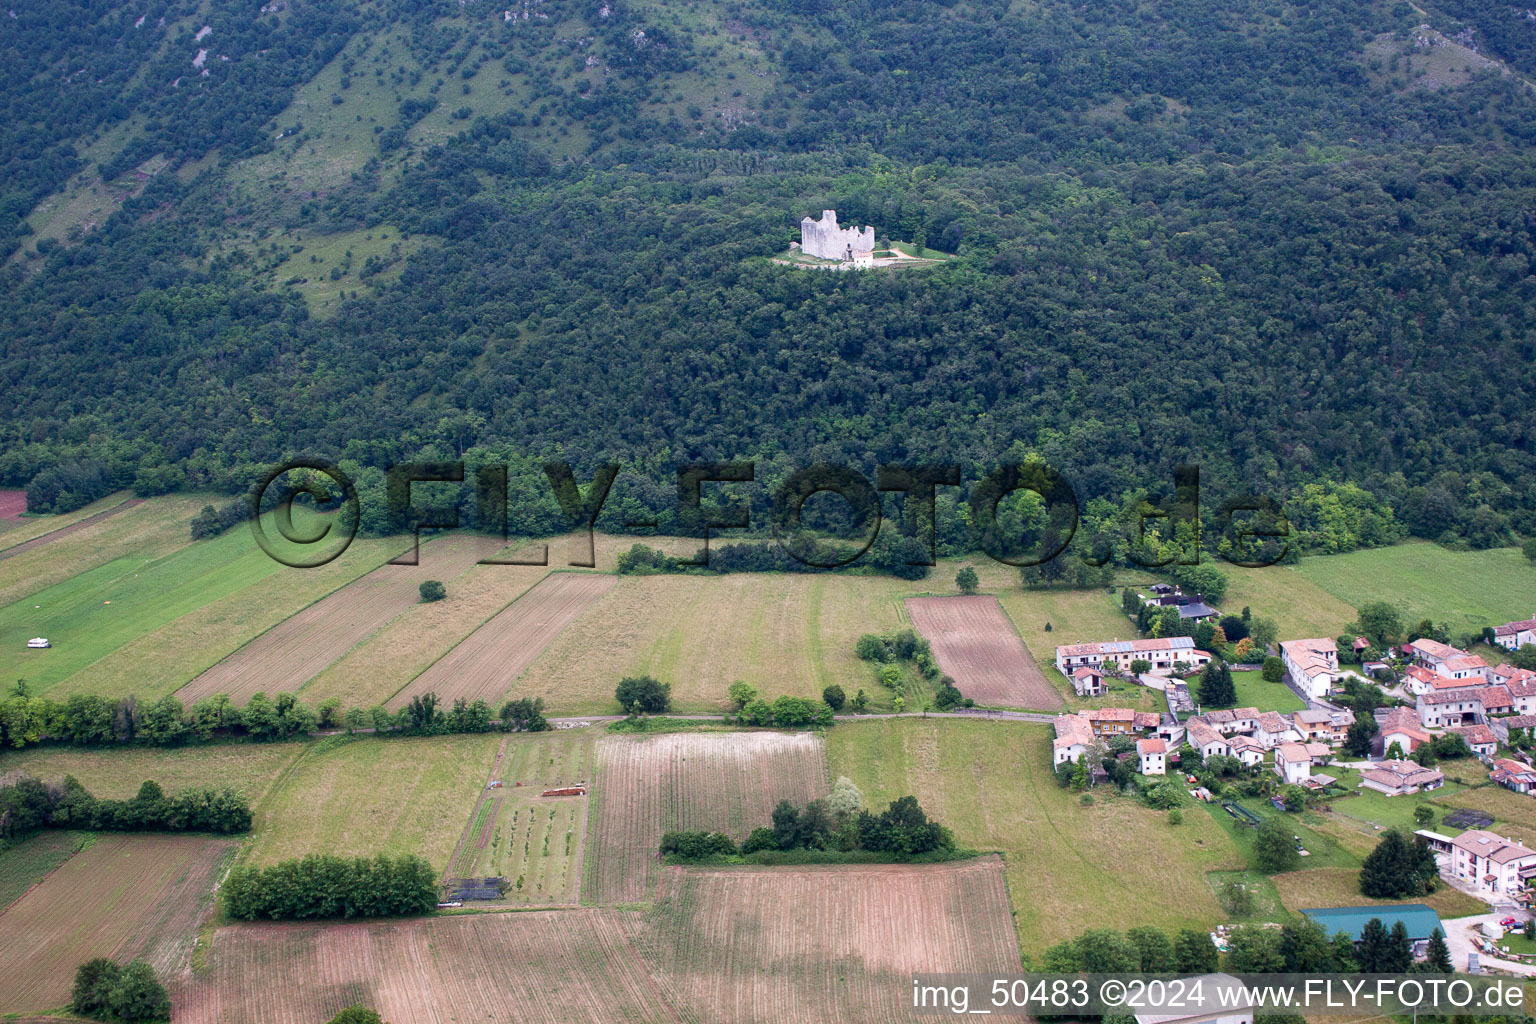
pixel 533 841
pixel 382 665
pixel 1066 863
pixel 295 650
pixel 487 663
pixel 147 530
pixel 976 643
pixel 24 533
pixel 824 943
pixel 132 604
pixel 12 505
pixel 120 897
pixel 360 796
pixel 1466 590
pixel 30 860
pixel 727 782
pixel 781 632
pixel 538 967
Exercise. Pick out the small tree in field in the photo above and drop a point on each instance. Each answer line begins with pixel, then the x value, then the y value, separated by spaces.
pixel 835 697
pixel 357 1015
pixel 1274 849
pixel 432 590
pixel 967 580
pixel 1274 670
pixel 742 694
pixel 643 693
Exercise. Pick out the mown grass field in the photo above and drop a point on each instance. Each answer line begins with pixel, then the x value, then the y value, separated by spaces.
pixel 26 528
pixel 170 614
pixel 147 531
pixel 360 796
pixel 1296 604
pixel 1466 590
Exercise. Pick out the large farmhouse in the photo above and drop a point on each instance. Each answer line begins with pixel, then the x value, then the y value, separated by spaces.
pixel 1312 664
pixel 1117 655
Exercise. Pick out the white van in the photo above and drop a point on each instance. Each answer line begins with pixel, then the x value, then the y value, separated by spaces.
pixel 38 642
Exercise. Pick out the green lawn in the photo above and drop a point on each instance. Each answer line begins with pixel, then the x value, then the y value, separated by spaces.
pixel 1322 851
pixel 1254 692
pixel 1464 589
pixel 98 611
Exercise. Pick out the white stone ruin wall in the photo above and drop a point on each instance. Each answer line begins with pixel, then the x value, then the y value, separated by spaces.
pixel 825 239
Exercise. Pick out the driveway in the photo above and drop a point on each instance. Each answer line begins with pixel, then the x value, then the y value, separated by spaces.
pixel 1458 936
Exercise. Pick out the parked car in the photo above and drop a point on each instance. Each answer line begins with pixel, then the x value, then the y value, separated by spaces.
pixel 38 642
pixel 1508 922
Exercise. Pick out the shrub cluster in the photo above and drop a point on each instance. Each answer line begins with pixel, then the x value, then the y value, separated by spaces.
pixel 106 991
pixel 889 556
pixel 643 693
pixel 787 712
pixel 211 522
pixel 1401 867
pixel 322 886
pixel 839 824
pixel 28 805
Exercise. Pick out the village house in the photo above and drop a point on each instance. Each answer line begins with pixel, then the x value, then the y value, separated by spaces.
pixel 1464 667
pixel 1073 738
pixel 1398 778
pixel 1324 725
pixel 1430 653
pixel 1312 664
pixel 1402 727
pixel 1088 682
pixel 1521 684
pixel 1419 679
pixel 1293 763
pixel 1154 756
pixel 1247 749
pixel 1204 738
pixel 1463 706
pixel 1512 774
pixel 1119 721
pixel 1502 727
pixel 1491 861
pixel 1118 655
pixel 1272 728
pixel 1514 635
pixel 1231 721
pixel 1480 738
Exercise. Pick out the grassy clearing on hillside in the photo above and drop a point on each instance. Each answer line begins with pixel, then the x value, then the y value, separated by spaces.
pixel 362 796
pixel 1464 589
pixel 1067 865
pixel 26 863
pixel 1296 604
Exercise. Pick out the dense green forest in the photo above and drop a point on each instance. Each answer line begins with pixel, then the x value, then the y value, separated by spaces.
pixel 1247 235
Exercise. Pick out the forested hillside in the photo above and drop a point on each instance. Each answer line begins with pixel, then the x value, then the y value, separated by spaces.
pixel 1256 235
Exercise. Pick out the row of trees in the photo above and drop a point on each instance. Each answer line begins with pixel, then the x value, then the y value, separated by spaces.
pixel 29 805
pixel 1300 947
pixel 88 720
pixel 321 886
pixel 889 555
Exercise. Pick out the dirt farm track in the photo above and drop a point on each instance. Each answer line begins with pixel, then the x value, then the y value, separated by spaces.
pixel 975 642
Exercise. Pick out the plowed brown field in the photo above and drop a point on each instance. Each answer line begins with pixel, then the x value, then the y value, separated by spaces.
pixel 975 642
pixel 142 896
pixel 489 660
pixel 540 967
pixel 808 944
pixel 722 781
pixel 294 651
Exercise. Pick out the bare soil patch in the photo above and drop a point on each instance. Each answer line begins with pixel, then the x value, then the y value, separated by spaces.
pixel 491 658
pixel 975 642
pixel 722 781
pixel 297 649
pixel 139 896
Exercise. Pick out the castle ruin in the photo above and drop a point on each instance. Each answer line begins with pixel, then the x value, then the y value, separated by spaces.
pixel 825 239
